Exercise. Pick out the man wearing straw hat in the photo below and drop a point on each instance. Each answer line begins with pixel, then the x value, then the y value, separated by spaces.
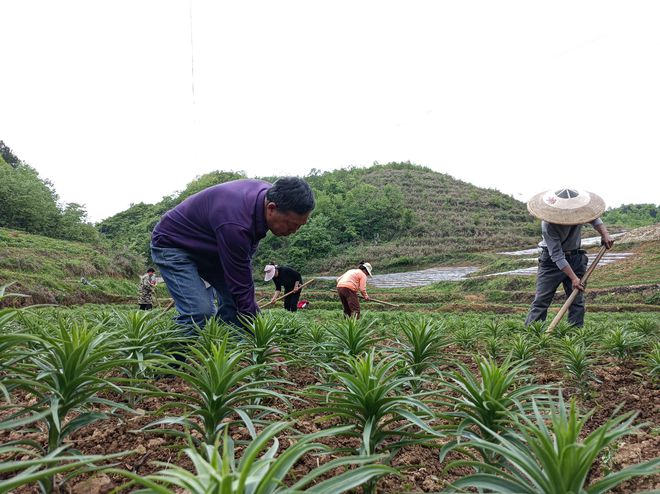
pixel 562 214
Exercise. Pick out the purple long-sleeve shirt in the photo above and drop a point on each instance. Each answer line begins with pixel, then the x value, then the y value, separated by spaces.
pixel 221 226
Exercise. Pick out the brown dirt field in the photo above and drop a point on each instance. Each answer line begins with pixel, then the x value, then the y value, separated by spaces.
pixel 421 470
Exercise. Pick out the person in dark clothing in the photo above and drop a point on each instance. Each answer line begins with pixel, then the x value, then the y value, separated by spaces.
pixel 287 278
pixel 212 236
pixel 562 261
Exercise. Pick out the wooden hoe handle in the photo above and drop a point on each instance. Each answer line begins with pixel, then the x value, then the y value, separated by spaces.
pixel 287 294
pixel 574 293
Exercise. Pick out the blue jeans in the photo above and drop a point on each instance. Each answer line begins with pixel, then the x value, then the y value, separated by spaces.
pixel 183 273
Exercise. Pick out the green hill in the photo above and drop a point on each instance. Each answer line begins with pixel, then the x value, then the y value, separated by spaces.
pixel 397 215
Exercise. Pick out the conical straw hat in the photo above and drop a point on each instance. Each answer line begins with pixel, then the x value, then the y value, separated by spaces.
pixel 566 206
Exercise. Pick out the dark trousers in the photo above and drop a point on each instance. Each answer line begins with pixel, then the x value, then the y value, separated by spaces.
pixel 146 306
pixel 350 301
pixel 291 301
pixel 548 279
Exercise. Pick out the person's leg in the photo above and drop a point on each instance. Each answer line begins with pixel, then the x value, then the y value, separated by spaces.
pixel 577 308
pixel 143 306
pixel 181 275
pixel 344 300
pixel 291 302
pixel 212 298
pixel 354 304
pixel 548 279
pixel 227 310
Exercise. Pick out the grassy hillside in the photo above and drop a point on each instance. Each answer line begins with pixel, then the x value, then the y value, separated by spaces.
pixel 449 218
pixel 50 270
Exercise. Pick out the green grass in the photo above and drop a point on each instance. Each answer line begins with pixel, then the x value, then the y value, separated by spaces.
pixel 50 269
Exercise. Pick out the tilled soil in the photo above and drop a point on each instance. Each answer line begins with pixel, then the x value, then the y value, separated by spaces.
pixel 420 467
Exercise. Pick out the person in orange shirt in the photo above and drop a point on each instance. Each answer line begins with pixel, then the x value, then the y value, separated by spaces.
pixel 348 285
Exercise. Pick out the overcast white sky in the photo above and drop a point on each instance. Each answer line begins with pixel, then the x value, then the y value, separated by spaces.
pixel 517 96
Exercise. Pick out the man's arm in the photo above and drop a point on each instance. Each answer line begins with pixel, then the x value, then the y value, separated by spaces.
pixel 363 286
pixel 575 281
pixel 605 237
pixel 234 251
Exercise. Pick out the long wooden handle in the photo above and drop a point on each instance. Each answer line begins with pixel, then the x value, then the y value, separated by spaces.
pixel 287 294
pixel 371 299
pixel 574 293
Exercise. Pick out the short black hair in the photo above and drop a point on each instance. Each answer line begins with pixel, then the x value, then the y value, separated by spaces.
pixel 291 194
pixel 151 270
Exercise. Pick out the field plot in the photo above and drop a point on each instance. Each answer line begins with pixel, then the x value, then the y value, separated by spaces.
pixel 97 399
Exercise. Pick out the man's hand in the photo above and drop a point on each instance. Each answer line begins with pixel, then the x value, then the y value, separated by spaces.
pixel 575 281
pixel 605 237
pixel 607 240
pixel 577 284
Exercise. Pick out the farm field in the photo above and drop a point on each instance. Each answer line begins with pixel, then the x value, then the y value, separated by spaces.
pixel 413 401
pixel 441 390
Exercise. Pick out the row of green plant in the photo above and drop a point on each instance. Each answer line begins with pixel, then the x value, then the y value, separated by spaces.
pixel 389 382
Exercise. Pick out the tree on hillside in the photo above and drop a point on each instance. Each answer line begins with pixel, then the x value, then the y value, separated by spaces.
pixel 376 212
pixel 632 215
pixel 27 202
pixel 312 241
pixel 208 180
pixel 7 155
pixel 30 203
pixel 73 224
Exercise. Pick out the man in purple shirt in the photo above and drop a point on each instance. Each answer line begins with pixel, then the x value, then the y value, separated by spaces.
pixel 213 235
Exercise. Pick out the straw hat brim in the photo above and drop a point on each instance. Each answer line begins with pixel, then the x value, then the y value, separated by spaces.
pixel 584 208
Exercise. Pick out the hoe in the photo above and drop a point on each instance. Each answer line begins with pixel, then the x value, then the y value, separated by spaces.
pixel 571 298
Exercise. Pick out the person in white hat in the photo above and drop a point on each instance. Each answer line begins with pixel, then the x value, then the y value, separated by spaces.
pixel 562 262
pixel 348 285
pixel 287 278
